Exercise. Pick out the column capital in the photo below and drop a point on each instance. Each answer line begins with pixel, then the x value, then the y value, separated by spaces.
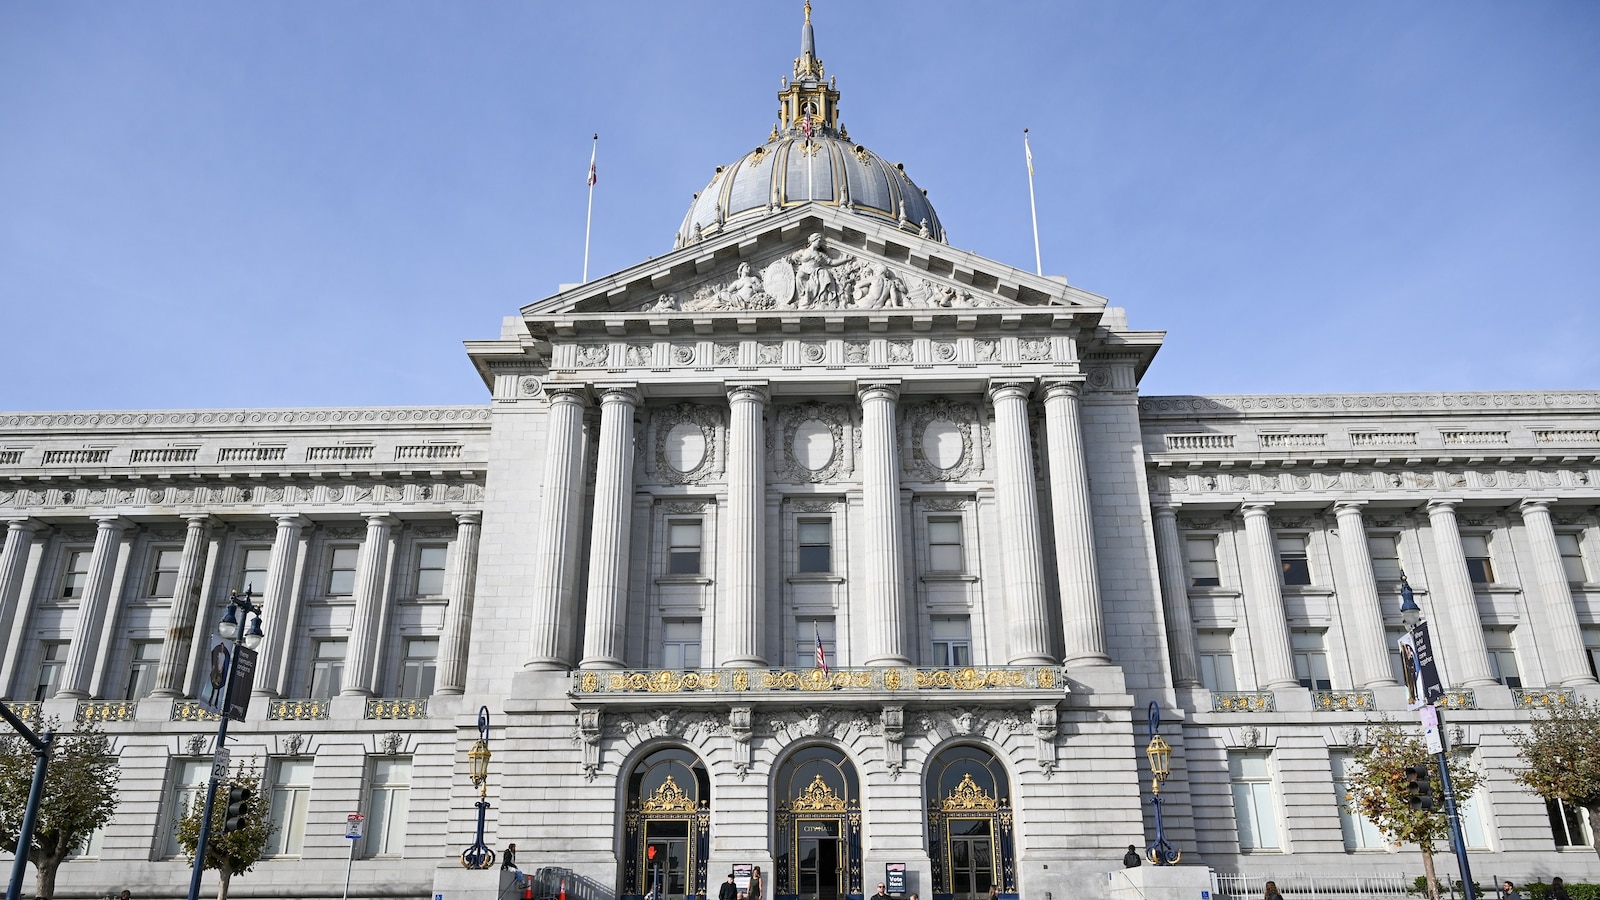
pixel 1014 387
pixel 619 393
pixel 469 517
pixel 887 389
pixel 567 393
pixel 199 520
pixel 1064 387
pixel 748 392
pixel 23 523
pixel 110 522
pixel 1255 508
pixel 1443 505
pixel 1346 507
pixel 1164 509
pixel 376 519
pixel 290 520
pixel 1535 504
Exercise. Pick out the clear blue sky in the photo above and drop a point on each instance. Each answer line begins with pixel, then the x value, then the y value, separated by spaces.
pixel 298 203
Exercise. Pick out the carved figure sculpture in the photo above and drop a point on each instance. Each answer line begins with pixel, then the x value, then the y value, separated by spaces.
pixel 745 291
pixel 879 288
pixel 815 281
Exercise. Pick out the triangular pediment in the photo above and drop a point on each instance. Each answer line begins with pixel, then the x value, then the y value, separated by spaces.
pixel 809 262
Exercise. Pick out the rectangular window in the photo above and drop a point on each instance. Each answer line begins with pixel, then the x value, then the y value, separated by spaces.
pixel 1591 648
pixel 1215 650
pixel 1254 808
pixel 1292 559
pixel 683 547
pixel 253 571
pixel 1311 659
pixel 1568 824
pixel 1201 553
pixel 1480 568
pixel 388 806
pixel 291 798
pixel 1384 551
pixel 327 668
pixel 146 658
pixel 806 633
pixel 944 545
pixel 188 788
pixel 1473 827
pixel 680 643
pixel 1359 831
pixel 1502 657
pixel 342 571
pixel 1572 557
pixel 76 575
pixel 52 660
pixel 952 641
pixel 164 578
pixel 816 545
pixel 418 667
pixel 430 571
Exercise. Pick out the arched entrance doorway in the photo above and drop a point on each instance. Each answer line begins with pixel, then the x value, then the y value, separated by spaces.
pixel 818 833
pixel 667 826
pixel 969 825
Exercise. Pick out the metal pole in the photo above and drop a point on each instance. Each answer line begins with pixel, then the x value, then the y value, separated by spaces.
pixel 348 866
pixel 211 786
pixel 1453 816
pixel 589 219
pixel 41 765
pixel 1033 206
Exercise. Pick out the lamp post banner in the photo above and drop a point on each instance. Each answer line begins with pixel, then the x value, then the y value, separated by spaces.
pixel 217 657
pixel 1423 686
pixel 243 679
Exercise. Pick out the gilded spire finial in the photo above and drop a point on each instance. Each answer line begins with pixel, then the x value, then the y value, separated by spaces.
pixel 809 100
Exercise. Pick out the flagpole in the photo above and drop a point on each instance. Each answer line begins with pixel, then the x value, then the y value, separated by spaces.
pixel 589 219
pixel 1038 264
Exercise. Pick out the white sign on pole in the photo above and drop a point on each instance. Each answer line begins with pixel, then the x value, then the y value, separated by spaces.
pixel 1430 730
pixel 219 764
pixel 353 826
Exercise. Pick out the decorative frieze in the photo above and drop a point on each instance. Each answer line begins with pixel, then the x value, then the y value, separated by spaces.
pixel 1410 481
pixel 1553 401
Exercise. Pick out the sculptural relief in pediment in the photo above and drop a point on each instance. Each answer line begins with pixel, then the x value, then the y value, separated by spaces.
pixel 818 276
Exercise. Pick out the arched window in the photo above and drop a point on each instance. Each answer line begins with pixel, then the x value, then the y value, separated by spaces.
pixel 970 839
pixel 817 813
pixel 668 826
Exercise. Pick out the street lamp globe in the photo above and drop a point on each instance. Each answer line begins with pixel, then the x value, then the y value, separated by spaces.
pixel 1160 754
pixel 229 626
pixel 1410 612
pixel 252 638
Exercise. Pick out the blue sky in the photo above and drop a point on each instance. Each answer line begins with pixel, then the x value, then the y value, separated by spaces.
pixel 313 204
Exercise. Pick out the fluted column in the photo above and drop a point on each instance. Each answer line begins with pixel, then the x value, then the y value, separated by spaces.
pixel 1369 653
pixel 550 593
pixel 371 567
pixel 13 571
pixel 1461 633
pixel 884 538
pixel 743 616
pixel 607 608
pixel 1274 659
pixel 1017 500
pixel 276 601
pixel 85 648
pixel 1082 622
pixel 174 665
pixel 1175 596
pixel 463 588
pixel 1563 645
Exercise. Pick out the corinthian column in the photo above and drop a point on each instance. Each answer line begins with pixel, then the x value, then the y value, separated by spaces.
pixel 1275 667
pixel 608 537
pixel 85 647
pixel 458 615
pixel 550 594
pixel 742 616
pixel 174 663
pixel 1175 598
pixel 1369 656
pixel 1461 632
pixel 277 605
pixel 1081 620
pixel 884 539
pixel 13 570
pixel 371 566
pixel 1017 498
pixel 1564 641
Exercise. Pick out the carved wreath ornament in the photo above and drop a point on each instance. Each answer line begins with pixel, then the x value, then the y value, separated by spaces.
pixel 817 277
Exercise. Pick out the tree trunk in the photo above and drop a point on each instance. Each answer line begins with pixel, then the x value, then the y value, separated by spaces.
pixel 225 875
pixel 44 871
pixel 1427 869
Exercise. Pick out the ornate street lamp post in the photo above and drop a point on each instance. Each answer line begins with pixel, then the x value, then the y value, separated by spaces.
pixel 479 856
pixel 229 629
pixel 1162 853
pixel 1411 615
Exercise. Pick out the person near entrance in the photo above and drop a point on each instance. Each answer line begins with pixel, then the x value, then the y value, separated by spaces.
pixel 729 890
pixel 753 892
pixel 881 892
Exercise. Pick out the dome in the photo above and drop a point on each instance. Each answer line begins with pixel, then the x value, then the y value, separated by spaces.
pixel 809 158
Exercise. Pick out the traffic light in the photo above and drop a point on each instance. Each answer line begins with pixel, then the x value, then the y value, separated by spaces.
pixel 1419 788
pixel 238 814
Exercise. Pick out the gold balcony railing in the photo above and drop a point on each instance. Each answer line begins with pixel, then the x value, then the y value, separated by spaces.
pixel 1243 701
pixel 106 710
pixel 297 710
pixel 1549 698
pixel 398 708
pixel 192 711
pixel 1342 701
pixel 966 679
pixel 1462 699
pixel 27 711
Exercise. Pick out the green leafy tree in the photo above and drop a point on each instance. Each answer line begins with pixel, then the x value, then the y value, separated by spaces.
pixel 236 852
pixel 1561 754
pixel 80 795
pixel 1377 790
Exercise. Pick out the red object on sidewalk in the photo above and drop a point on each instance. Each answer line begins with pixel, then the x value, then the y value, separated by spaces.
pixel 527 889
pixel 563 894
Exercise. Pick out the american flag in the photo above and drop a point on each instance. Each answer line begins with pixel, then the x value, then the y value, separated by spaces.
pixel 822 655
pixel 806 127
pixel 593 177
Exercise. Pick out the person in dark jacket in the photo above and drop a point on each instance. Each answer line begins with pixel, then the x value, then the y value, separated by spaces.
pixel 729 890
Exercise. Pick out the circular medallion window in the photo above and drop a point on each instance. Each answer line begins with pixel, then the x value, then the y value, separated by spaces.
pixel 942 443
pixel 685 447
pixel 813 445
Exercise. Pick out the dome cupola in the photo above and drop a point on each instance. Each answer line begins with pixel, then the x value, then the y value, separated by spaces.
pixel 809 158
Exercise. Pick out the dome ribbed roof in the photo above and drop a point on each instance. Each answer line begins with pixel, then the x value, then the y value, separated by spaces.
pixel 809 158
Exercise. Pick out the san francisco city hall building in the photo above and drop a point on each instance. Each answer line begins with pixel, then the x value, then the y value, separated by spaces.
pixel 813 421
